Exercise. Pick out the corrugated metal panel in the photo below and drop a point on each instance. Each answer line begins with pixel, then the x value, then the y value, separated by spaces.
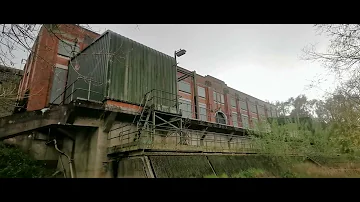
pixel 136 69
pixel 90 64
pixel 123 70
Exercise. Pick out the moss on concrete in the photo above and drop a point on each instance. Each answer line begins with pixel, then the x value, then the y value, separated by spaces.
pixel 180 166
pixel 131 168
pixel 233 165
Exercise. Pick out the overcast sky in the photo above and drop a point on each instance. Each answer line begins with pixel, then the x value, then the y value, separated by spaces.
pixel 260 60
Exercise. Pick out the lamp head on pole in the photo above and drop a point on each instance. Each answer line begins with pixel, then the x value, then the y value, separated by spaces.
pixel 180 52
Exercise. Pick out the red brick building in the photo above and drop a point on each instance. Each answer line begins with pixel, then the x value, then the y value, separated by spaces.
pixel 219 103
pixel 45 70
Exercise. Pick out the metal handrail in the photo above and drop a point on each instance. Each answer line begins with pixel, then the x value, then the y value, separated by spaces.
pixel 74 90
pixel 196 140
pixel 151 101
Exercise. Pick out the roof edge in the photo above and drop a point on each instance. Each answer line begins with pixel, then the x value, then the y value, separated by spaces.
pixel 98 38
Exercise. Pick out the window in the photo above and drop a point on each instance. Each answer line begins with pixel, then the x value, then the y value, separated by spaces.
pixel 202 114
pixel 261 110
pixel 58 85
pixel 245 121
pixel 268 113
pixel 233 102
pixel 273 113
pixel 243 105
pixel 66 48
pixel 253 108
pixel 234 119
pixel 218 97
pixel 201 92
pixel 185 107
pixel 184 87
pixel 255 122
pixel 220 118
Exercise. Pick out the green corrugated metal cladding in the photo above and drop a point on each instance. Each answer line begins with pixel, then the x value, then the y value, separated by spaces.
pixel 123 70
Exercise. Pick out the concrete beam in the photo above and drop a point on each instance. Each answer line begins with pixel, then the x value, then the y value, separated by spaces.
pixel 109 121
pixel 148 169
pixel 18 124
pixel 66 133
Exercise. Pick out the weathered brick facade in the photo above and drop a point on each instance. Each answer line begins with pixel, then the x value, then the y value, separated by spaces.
pixel 39 68
pixel 211 106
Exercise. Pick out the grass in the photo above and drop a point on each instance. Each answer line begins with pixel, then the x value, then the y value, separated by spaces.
pixel 249 173
pixel 293 169
pixel 308 170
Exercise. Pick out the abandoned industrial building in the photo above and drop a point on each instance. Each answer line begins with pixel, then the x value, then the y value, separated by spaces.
pixel 118 108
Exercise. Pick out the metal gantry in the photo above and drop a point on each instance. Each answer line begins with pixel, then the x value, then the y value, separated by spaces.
pixel 154 116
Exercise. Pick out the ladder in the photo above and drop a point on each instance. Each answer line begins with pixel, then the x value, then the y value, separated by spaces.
pixel 145 113
pixel 143 116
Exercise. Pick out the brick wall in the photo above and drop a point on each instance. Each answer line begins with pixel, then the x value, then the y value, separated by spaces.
pixel 39 68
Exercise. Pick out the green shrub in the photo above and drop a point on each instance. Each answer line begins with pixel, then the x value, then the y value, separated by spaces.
pixel 250 173
pixel 289 174
pixel 14 163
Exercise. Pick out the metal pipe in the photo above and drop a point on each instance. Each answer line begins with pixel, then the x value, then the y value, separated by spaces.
pixel 63 167
pixel 176 69
pixel 63 153
pixel 196 96
pixel 89 90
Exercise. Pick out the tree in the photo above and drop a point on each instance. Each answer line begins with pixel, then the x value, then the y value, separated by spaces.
pixel 343 54
pixel 296 107
pixel 283 107
pixel 9 80
pixel 322 110
pixel 341 108
pixel 302 107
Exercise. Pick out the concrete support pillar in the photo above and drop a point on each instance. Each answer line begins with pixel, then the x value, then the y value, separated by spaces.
pixel 102 167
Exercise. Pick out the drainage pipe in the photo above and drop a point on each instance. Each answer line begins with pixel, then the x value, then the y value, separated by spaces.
pixel 63 153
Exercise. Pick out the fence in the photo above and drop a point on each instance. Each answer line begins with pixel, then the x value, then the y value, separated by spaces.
pixel 128 138
pixel 163 101
pixel 68 94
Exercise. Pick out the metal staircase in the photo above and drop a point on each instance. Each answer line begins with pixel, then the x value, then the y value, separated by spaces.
pixel 143 121
pixel 153 118
pixel 158 115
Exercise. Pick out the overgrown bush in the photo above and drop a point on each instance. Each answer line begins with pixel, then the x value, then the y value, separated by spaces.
pixel 14 163
pixel 248 173
pixel 307 139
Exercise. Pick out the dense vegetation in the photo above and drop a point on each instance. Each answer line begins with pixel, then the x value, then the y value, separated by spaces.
pixel 15 163
pixel 315 128
pixel 326 129
pixel 333 122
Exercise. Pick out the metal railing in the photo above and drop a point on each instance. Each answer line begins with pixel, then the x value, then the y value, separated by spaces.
pixel 71 86
pixel 160 100
pixel 163 101
pixel 175 140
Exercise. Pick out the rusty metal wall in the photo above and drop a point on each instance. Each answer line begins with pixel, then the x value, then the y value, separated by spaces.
pixel 87 71
pixel 121 69
pixel 135 69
